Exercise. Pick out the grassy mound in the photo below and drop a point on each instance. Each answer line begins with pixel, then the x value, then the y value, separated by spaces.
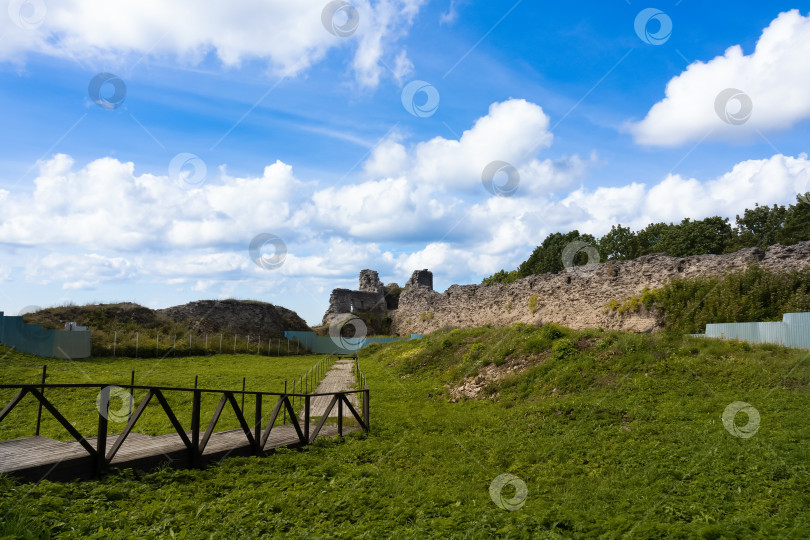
pixel 614 435
pixel 195 329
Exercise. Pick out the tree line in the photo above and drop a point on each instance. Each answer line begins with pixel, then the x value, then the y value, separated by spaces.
pixel 761 226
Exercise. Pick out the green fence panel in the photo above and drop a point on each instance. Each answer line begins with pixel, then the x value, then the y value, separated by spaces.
pixel 792 331
pixel 33 339
pixel 339 345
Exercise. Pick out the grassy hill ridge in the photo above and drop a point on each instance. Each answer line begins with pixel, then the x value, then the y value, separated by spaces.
pixel 178 329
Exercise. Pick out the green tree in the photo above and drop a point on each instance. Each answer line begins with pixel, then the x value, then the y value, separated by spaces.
pixel 759 227
pixel 797 223
pixel 502 276
pixel 620 244
pixel 547 257
pixel 650 238
pixel 707 236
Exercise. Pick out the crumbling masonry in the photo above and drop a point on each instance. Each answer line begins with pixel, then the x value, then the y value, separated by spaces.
pixel 575 298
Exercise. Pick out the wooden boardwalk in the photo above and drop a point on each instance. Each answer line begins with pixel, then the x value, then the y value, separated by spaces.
pixel 37 458
pixel 339 378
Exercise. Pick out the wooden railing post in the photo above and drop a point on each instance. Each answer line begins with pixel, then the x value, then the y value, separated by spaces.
pixel 101 440
pixel 366 408
pixel 306 419
pixel 195 429
pixel 257 424
pixel 42 391
pixel 340 416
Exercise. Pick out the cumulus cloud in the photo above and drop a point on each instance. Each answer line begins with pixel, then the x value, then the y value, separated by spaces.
pixel 775 77
pixel 290 36
pixel 126 211
pixel 777 179
pixel 514 131
pixel 415 192
pixel 414 206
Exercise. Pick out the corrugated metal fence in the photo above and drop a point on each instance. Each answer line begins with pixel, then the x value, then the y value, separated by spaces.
pixel 33 339
pixel 792 331
pixel 339 345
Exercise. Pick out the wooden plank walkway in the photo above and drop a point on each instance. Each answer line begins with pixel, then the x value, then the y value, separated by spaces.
pixel 37 458
pixel 339 378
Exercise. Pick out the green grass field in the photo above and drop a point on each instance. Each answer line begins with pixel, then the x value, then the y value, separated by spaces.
pixel 614 435
pixel 221 372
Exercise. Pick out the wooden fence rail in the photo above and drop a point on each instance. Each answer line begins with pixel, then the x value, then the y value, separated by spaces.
pixel 195 439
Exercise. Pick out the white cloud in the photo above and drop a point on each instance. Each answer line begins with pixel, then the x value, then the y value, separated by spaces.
pixel 432 187
pixel 764 181
pixel 125 211
pixel 290 36
pixel 166 232
pixel 451 15
pixel 79 271
pixel 513 131
pixel 145 228
pixel 775 77
pixel 402 65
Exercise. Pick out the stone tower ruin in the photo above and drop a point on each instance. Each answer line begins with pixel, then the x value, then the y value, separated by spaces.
pixel 373 299
pixel 369 298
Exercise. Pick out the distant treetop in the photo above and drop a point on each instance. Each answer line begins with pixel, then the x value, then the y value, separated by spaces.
pixel 760 227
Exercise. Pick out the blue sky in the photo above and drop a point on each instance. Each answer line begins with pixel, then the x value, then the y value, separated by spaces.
pixel 304 136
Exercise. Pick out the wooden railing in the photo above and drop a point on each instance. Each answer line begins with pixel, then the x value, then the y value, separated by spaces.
pixel 256 434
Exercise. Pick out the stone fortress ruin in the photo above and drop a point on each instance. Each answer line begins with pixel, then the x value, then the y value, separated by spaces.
pixel 576 297
pixel 372 299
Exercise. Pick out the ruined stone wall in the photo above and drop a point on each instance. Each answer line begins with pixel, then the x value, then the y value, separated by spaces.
pixel 370 298
pixel 575 298
pixel 370 282
pixel 421 278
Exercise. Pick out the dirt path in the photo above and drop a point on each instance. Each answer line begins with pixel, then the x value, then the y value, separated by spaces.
pixel 337 379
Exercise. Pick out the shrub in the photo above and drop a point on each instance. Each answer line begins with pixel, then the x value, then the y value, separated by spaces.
pixel 563 349
pixel 533 303
pixel 474 353
pixel 755 294
pixel 552 331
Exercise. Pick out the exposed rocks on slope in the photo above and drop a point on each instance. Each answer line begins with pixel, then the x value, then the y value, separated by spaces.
pixel 239 316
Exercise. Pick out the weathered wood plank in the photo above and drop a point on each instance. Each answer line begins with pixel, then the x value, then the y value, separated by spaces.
pixel 39 457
